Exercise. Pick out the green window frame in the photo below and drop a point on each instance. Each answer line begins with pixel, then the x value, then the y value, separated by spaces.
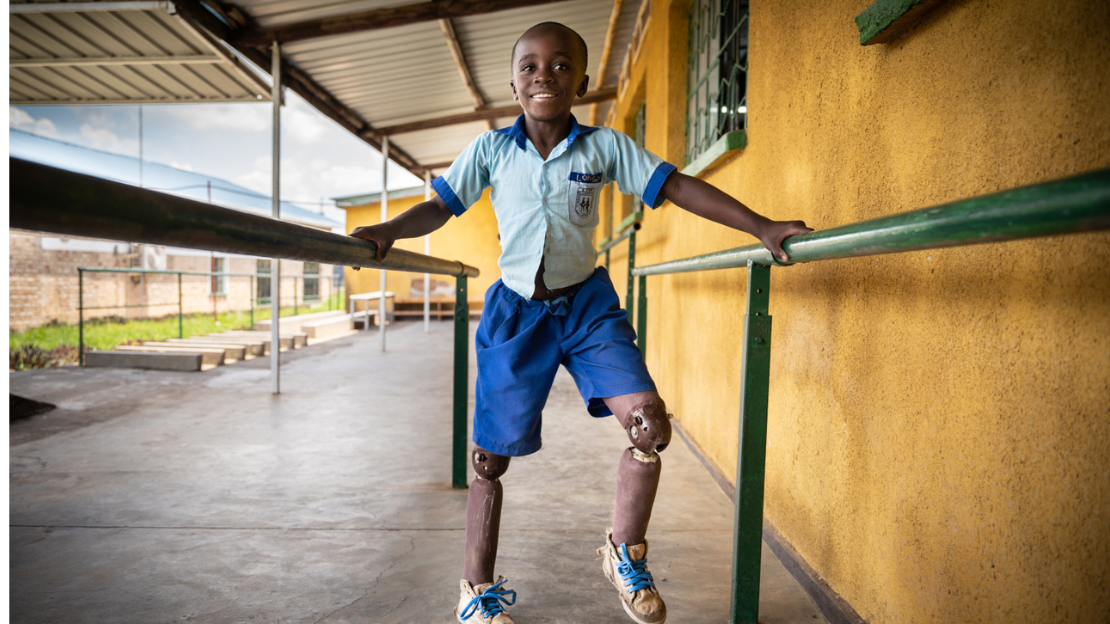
pixel 262 268
pixel 717 98
pixel 217 284
pixel 311 281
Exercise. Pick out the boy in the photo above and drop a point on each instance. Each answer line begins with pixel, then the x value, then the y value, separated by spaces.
pixel 552 306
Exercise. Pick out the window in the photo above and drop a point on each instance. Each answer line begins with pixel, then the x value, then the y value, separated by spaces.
pixel 717 98
pixel 263 270
pixel 311 280
pixel 217 284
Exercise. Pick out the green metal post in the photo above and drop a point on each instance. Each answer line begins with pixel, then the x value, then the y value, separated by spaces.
pixel 641 317
pixel 296 311
pixel 752 448
pixel 462 350
pixel 253 302
pixel 629 302
pixel 180 309
pixel 607 259
pixel 80 317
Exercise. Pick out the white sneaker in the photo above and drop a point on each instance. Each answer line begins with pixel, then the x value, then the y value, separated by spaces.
pixel 626 569
pixel 482 604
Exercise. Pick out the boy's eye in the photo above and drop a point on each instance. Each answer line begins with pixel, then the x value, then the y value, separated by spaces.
pixel 526 68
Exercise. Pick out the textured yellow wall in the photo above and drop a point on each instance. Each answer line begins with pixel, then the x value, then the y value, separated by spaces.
pixel 939 426
pixel 471 239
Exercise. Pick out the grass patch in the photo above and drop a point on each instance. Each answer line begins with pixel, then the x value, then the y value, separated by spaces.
pixel 55 344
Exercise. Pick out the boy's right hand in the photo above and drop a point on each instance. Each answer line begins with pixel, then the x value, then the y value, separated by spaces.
pixel 380 234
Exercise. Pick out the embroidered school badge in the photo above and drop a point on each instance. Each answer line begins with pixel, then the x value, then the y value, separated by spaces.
pixel 582 197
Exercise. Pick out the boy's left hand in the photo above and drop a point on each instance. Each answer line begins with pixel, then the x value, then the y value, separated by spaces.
pixel 772 233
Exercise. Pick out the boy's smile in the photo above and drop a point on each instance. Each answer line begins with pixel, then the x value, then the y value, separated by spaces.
pixel 549 71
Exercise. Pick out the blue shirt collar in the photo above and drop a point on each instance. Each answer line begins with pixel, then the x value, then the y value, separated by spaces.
pixel 516 131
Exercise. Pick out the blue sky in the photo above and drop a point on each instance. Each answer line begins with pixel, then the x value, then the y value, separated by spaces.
pixel 232 141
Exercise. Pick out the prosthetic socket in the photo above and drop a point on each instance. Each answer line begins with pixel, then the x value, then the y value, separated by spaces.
pixel 649 429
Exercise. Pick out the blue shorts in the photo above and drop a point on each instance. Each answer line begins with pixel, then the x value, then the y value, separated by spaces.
pixel 522 342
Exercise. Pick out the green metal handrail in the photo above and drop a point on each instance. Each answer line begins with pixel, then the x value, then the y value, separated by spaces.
pixel 1071 205
pixel 47 199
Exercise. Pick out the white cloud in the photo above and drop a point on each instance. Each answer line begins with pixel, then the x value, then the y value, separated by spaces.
pixel 245 117
pixel 21 119
pixel 181 166
pixel 106 140
pixel 303 124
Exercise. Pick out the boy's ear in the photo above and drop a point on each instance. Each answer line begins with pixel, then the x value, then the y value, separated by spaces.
pixel 582 87
pixel 512 86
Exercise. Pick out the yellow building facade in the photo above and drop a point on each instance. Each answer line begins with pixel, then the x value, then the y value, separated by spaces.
pixel 939 422
pixel 472 239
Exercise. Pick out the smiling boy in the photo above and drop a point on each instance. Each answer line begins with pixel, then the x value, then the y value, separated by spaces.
pixel 552 305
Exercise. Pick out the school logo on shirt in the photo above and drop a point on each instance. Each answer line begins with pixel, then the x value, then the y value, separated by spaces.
pixel 582 197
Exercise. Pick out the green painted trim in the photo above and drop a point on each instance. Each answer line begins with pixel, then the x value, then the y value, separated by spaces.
pixel 722 149
pixel 879 18
pixel 630 219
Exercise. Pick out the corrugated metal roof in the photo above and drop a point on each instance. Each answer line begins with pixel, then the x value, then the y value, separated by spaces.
pixel 155 176
pixel 120 57
pixel 386 76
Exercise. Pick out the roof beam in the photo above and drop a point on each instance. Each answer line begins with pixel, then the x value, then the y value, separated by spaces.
pixel 378 18
pixel 464 68
pixel 115 60
pixel 600 95
pixel 606 50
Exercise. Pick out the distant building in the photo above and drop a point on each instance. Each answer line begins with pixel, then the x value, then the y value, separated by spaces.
pixel 42 278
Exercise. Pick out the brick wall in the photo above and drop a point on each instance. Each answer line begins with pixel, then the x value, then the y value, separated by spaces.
pixel 43 284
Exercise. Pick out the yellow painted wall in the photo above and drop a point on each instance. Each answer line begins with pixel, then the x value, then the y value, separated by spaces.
pixel 471 239
pixel 939 426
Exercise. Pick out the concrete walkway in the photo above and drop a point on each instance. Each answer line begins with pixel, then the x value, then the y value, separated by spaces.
pixel 155 496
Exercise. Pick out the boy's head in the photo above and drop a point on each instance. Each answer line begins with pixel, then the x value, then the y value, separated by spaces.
pixel 549 70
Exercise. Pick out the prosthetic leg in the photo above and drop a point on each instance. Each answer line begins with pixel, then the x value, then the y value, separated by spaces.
pixel 624 555
pixel 481 599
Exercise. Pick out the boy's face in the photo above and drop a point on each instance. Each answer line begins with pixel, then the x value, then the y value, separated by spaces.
pixel 549 71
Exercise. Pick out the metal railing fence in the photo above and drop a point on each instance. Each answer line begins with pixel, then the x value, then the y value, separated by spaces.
pixel 1071 205
pixel 299 299
pixel 47 199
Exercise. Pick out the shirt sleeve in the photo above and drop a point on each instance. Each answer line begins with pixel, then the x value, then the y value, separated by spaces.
pixel 467 177
pixel 638 171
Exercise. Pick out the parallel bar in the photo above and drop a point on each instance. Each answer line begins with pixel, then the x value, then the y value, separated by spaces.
pixel 427 251
pixel 1071 205
pixel 462 351
pixel 47 199
pixel 752 448
pixel 630 219
pixel 641 317
pixel 629 302
pixel 607 245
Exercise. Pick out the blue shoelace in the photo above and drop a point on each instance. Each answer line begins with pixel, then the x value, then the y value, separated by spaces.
pixel 634 573
pixel 489 601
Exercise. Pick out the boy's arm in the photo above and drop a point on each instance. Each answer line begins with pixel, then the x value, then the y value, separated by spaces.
pixel 423 218
pixel 707 201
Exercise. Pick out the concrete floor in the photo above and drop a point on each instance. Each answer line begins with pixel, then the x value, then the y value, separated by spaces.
pixel 200 497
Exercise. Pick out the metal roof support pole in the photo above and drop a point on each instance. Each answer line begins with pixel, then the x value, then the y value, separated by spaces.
pixel 427 250
pixel 385 217
pixel 275 280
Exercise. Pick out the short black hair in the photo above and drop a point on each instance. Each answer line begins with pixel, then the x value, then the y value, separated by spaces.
pixel 577 38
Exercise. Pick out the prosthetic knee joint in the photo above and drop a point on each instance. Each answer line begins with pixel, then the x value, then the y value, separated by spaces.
pixel 487 465
pixel 649 429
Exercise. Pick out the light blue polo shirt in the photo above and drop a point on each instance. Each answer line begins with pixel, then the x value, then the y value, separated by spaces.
pixel 548 208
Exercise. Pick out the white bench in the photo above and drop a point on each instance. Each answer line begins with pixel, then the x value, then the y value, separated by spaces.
pixel 208 357
pixel 232 353
pixel 291 324
pixel 186 362
pixel 328 327
pixel 366 298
